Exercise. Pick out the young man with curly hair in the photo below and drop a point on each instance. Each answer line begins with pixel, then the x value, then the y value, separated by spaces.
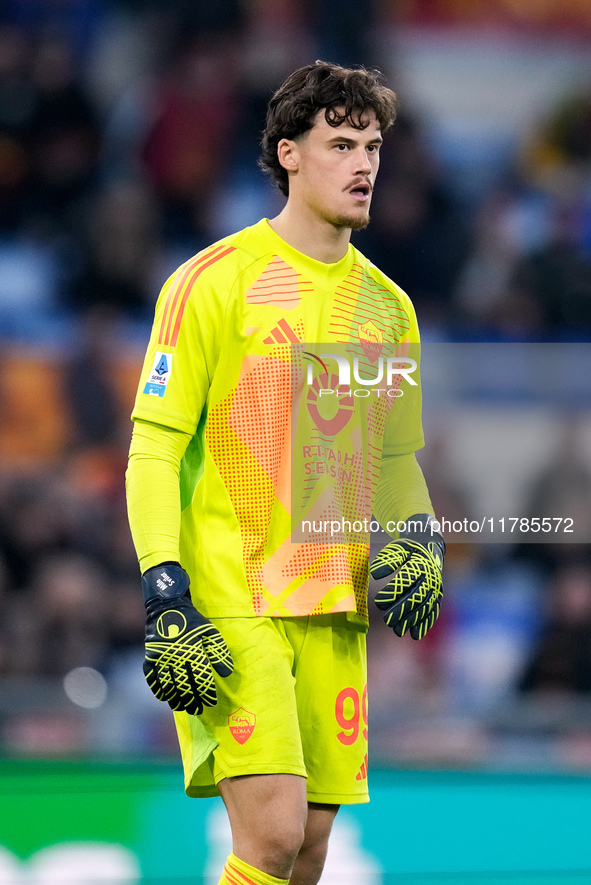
pixel 255 636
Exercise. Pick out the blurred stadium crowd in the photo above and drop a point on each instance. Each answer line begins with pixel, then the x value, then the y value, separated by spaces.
pixel 128 141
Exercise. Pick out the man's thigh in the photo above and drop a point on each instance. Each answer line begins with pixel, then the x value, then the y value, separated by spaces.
pixel 255 721
pixel 331 695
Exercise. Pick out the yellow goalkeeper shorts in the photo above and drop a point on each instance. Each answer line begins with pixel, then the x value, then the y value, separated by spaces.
pixel 296 703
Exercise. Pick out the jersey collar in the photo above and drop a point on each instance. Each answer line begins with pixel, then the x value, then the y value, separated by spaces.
pixel 301 261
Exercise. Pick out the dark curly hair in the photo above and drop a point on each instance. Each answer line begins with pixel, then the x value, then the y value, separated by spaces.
pixel 344 93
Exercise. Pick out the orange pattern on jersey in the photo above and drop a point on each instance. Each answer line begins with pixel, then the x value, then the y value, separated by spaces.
pixel 317 578
pixel 359 299
pixel 253 462
pixel 279 285
pixel 316 568
pixel 299 576
pixel 264 390
pixel 179 293
pixel 338 566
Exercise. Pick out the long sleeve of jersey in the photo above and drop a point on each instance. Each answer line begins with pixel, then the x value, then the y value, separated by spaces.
pixel 153 497
pixel 402 491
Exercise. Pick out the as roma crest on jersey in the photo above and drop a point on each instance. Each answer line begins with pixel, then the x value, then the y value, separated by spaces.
pixel 241 724
pixel 371 339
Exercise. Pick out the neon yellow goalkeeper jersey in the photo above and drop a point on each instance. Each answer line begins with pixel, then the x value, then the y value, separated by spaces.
pixel 244 356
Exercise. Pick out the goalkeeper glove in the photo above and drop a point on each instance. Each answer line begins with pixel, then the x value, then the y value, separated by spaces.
pixel 182 647
pixel 411 599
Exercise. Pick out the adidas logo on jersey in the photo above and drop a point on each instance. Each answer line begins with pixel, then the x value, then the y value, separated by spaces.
pixel 282 334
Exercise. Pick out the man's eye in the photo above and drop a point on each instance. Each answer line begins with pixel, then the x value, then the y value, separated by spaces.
pixel 341 147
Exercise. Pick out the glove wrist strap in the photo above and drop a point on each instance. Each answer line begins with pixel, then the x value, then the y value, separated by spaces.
pixel 166 581
pixel 421 528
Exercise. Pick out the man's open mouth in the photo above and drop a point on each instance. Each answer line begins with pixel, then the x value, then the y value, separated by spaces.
pixel 361 191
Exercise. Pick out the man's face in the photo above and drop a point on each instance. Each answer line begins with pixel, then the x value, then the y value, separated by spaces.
pixel 336 170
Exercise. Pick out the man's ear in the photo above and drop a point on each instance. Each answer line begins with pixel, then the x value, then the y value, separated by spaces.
pixel 288 154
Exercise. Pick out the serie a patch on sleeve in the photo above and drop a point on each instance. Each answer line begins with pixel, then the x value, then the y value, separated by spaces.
pixel 159 374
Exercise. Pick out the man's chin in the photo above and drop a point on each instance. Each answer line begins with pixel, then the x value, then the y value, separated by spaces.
pixel 355 222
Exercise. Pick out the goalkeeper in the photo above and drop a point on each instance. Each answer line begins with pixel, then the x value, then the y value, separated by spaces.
pixel 255 640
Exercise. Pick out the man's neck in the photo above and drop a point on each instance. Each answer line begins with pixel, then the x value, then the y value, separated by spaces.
pixel 311 235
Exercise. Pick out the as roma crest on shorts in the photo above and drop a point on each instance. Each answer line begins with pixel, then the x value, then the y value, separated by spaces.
pixel 241 724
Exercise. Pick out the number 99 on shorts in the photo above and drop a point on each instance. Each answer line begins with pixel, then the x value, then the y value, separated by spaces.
pixel 351 715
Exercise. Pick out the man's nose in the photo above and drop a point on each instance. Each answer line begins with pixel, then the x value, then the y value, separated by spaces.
pixel 362 163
